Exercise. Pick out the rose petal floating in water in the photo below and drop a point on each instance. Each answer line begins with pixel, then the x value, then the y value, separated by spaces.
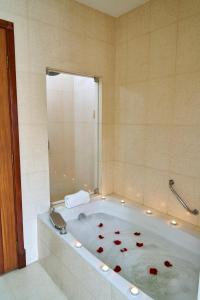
pixel 123 250
pixel 101 237
pixel 117 232
pixel 117 242
pixel 137 233
pixel 100 250
pixel 153 271
pixel 139 244
pixel 117 269
pixel 100 225
pixel 168 264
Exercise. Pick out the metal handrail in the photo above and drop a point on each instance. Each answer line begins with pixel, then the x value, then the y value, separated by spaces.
pixel 183 203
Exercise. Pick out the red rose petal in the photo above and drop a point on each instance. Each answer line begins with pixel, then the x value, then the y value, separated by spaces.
pixel 101 237
pixel 137 233
pixel 153 271
pixel 117 232
pixel 122 250
pixel 168 264
pixel 100 225
pixel 117 269
pixel 117 242
pixel 100 250
pixel 125 249
pixel 139 244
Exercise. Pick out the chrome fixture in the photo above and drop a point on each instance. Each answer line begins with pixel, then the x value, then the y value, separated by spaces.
pixel 52 73
pixel 58 221
pixel 182 202
pixel 82 216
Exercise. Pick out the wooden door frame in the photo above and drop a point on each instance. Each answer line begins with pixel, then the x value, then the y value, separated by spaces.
pixel 9 28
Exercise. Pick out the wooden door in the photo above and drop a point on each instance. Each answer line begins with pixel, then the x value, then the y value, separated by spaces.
pixel 11 233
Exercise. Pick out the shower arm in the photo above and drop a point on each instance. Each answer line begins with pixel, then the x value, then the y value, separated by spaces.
pixel 181 201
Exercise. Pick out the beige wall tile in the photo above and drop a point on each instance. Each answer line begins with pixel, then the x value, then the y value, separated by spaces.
pixel 156 190
pixel 132 102
pixel 106 179
pixel 133 182
pixel 118 176
pixel 53 11
pixel 138 59
pixel 138 21
pixel 163 51
pixel 121 29
pixel 188 45
pixel 130 143
pixel 157 147
pixel 188 8
pixel 187 99
pixel 121 63
pixel 185 155
pixel 161 93
pixel 163 12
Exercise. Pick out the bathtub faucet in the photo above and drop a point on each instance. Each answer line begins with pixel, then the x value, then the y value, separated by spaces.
pixel 180 199
pixel 58 221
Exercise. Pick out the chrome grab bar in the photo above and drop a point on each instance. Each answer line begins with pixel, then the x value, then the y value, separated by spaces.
pixel 183 203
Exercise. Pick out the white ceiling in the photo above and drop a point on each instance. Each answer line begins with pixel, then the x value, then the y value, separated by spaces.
pixel 113 8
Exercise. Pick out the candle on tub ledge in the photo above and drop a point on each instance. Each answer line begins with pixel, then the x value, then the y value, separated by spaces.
pixel 78 244
pixel 122 201
pixel 103 197
pixel 173 222
pixel 148 212
pixel 104 268
pixel 134 291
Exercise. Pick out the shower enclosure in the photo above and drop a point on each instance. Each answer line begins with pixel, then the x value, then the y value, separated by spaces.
pixel 72 105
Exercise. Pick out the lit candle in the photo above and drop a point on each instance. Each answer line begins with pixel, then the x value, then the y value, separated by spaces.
pixel 122 201
pixel 78 244
pixel 134 291
pixel 173 222
pixel 148 212
pixel 103 197
pixel 104 268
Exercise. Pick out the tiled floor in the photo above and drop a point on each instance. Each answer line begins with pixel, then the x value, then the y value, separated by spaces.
pixel 31 283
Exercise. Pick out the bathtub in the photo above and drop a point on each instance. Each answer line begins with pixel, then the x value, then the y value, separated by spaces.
pixel 79 273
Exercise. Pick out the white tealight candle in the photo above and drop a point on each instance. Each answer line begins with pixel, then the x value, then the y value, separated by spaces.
pixel 148 212
pixel 104 268
pixel 122 201
pixel 103 197
pixel 173 222
pixel 78 244
pixel 134 291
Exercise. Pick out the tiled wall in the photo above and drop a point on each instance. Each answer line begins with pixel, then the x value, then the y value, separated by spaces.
pixel 157 109
pixel 65 35
pixel 72 107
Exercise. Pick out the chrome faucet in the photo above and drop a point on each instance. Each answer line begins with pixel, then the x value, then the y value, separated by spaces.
pixel 58 221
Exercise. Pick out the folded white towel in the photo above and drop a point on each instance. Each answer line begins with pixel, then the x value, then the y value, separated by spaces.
pixel 76 199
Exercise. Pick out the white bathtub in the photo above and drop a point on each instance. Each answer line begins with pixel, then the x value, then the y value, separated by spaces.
pixel 78 272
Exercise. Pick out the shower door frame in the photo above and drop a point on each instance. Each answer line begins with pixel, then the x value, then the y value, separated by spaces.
pixel 12 102
pixel 97 79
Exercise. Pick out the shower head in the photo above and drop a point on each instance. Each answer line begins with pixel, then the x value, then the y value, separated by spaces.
pixel 52 73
